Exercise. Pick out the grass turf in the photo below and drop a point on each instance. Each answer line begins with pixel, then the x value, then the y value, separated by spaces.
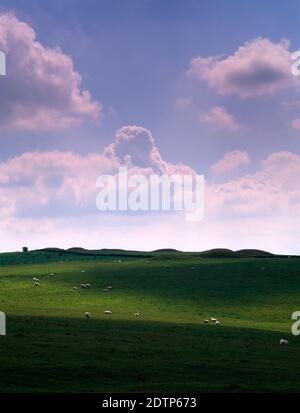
pixel 50 347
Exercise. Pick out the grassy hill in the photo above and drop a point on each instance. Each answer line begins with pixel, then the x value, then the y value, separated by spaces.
pixel 51 347
pixel 47 255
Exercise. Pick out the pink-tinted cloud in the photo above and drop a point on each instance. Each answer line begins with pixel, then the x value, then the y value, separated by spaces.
pixel 51 183
pixel 42 90
pixel 274 190
pixel 260 67
pixel 135 146
pixel 231 161
pixel 49 199
pixel 58 183
pixel 220 118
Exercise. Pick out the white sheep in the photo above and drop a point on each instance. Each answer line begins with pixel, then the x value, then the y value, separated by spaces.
pixel 136 314
pixel 214 320
pixel 109 288
pixel 205 321
pixel 87 315
pixel 75 288
pixel 283 342
pixel 82 286
pixel 37 284
pixel 107 312
pixel 34 279
pixel 88 285
pixel 106 290
pixel 217 323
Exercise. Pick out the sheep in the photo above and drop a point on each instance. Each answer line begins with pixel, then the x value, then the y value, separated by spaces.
pixel 214 320
pixel 87 315
pixel 217 323
pixel 34 279
pixel 82 286
pixel 205 321
pixel 136 314
pixel 37 284
pixel 107 312
pixel 72 290
pixel 88 285
pixel 82 270
pixel 109 288
pixel 106 290
pixel 75 288
pixel 283 342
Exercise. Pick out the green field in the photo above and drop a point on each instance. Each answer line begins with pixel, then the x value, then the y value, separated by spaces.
pixel 51 347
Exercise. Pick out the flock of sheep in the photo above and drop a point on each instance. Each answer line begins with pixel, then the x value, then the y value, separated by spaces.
pixel 213 320
pixel 282 342
pixel 88 316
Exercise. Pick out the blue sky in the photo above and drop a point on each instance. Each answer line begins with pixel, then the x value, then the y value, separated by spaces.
pixel 134 57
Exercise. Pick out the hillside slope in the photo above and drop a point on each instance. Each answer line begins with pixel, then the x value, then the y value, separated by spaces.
pixel 51 347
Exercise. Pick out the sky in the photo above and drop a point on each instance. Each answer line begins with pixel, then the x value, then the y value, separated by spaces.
pixel 175 87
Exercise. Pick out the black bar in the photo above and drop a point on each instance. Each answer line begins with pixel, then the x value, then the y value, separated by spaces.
pixel 134 402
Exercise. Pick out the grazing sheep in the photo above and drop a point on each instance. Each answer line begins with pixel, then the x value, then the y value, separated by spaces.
pixel 52 274
pixel 88 285
pixel 83 271
pixel 217 323
pixel 34 279
pixel 87 315
pixel 108 312
pixel 75 288
pixel 37 284
pixel 214 320
pixel 82 286
pixel 283 342
pixel 106 290
pixel 205 321
pixel 109 288
pixel 136 314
